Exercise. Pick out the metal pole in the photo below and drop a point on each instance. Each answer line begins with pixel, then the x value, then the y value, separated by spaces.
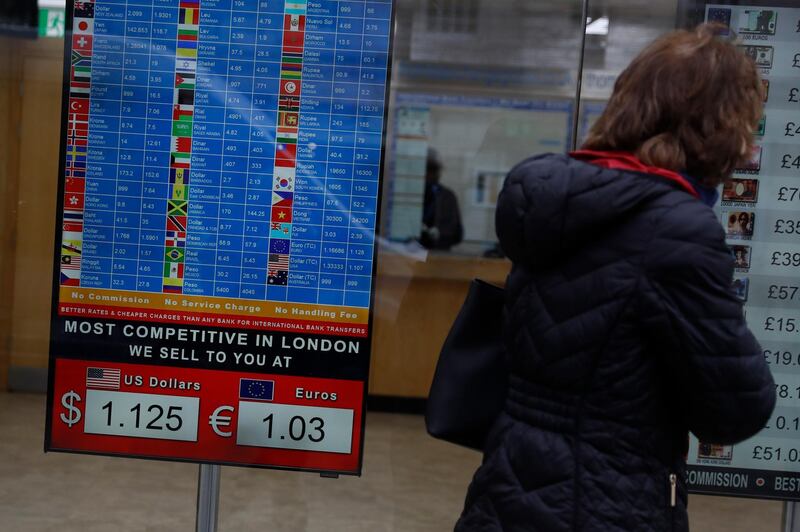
pixel 791 517
pixel 576 117
pixel 208 498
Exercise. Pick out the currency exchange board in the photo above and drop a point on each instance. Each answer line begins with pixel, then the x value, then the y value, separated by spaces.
pixel 219 192
pixel 759 214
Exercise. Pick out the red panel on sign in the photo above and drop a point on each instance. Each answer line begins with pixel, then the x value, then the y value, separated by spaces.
pixel 242 418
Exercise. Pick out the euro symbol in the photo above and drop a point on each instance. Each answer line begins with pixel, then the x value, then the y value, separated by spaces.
pixel 73 414
pixel 216 421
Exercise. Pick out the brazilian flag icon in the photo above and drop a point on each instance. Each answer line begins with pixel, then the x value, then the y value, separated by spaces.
pixel 174 255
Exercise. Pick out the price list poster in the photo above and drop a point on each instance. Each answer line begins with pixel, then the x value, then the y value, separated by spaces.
pixel 760 212
pixel 215 256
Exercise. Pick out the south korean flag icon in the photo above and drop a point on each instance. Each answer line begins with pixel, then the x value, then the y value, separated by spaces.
pixel 284 179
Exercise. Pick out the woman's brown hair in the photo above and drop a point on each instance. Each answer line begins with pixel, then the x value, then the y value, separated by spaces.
pixel 689 102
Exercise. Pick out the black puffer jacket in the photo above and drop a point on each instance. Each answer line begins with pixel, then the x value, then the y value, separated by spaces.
pixel 624 335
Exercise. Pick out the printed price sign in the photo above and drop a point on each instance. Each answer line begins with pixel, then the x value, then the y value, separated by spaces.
pixel 759 212
pixel 218 202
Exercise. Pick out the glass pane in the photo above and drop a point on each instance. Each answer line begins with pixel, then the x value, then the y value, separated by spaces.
pixel 478 86
pixel 757 210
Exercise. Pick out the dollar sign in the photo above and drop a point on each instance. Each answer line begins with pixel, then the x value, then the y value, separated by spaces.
pixel 68 400
pixel 793 95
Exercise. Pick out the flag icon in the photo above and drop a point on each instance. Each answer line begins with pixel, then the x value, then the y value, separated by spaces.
pixel 293 40
pixel 288 119
pixel 78 125
pixel 282 199
pixel 294 23
pixel 277 277
pixel 71 247
pixel 289 103
pixel 71 216
pixel 74 184
pixel 175 239
pixel 189 16
pixel 285 173
pixel 279 261
pixel 259 390
pixel 75 227
pixel 79 89
pixel 185 81
pixel 80 106
pixel 291 71
pixel 181 112
pixel 174 254
pixel 70 262
pixel 176 223
pixel 279 245
pixel 182 128
pixel 298 7
pixel 172 286
pixel 173 270
pixel 290 88
pixel 103 378
pixel 292 57
pixel 287 135
pixel 186 34
pixel 82 26
pixel 82 43
pixel 177 192
pixel 286 155
pixel 177 207
pixel 185 65
pixel 281 214
pixel 84 9
pixel 185 97
pixel 73 201
pixel 182 144
pixel 180 160
pixel 187 48
pixel 70 278
pixel 279 230
pixel 178 176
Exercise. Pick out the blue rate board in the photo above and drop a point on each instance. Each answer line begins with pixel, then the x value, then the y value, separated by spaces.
pixel 219 191
pixel 224 149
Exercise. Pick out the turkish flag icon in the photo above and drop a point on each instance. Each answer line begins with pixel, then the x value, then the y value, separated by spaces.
pixel 79 105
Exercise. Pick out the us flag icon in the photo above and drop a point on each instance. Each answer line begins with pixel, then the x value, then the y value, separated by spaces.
pixel 103 378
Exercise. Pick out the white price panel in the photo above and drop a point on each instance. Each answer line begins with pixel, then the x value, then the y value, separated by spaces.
pixel 306 428
pixel 138 415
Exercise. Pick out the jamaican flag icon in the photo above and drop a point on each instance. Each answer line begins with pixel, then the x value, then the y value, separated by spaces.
pixel 177 207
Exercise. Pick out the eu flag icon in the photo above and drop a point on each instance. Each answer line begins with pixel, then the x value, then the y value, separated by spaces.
pixel 256 389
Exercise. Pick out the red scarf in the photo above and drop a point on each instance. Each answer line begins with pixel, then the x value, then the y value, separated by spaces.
pixel 620 160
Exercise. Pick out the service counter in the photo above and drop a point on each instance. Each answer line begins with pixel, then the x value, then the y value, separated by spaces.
pixel 416 303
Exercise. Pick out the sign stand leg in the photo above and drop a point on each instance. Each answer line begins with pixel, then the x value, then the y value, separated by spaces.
pixel 208 498
pixel 791 517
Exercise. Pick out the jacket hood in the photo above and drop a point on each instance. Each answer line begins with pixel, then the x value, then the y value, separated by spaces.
pixel 552 203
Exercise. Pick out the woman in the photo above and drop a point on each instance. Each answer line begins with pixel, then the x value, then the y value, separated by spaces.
pixel 622 328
